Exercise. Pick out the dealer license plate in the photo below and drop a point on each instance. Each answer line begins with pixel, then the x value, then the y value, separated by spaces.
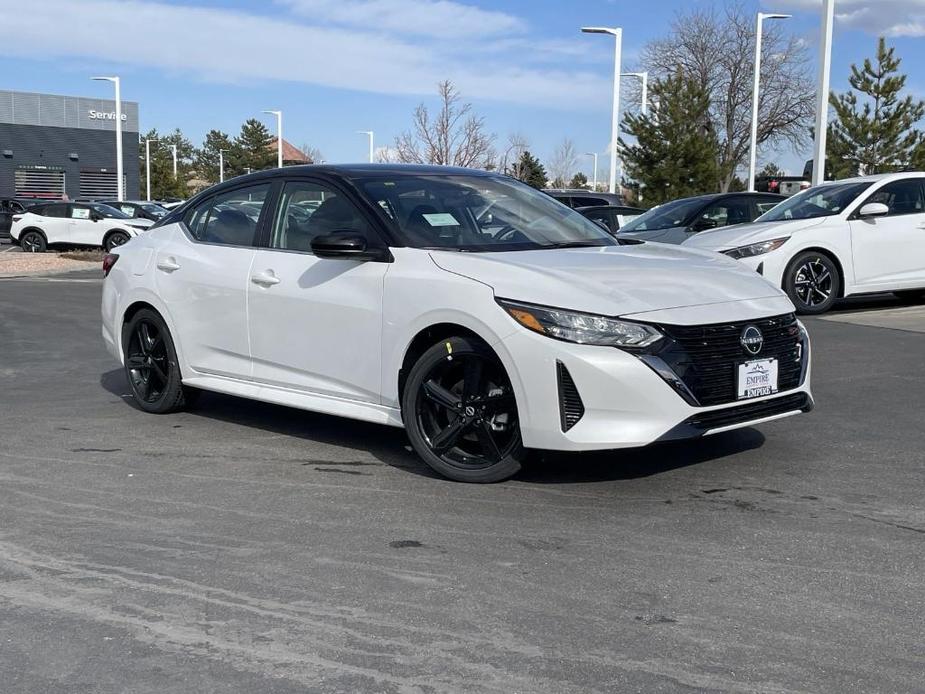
pixel 757 379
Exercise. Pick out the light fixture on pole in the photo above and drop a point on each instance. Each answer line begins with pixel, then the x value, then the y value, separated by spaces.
pixel 371 150
pixel 822 100
pixel 644 78
pixel 173 149
pixel 120 185
pixel 221 165
pixel 617 33
pixel 753 155
pixel 279 137
pixel 594 154
pixel 148 142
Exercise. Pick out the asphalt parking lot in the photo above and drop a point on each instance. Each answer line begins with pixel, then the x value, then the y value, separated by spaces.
pixel 243 547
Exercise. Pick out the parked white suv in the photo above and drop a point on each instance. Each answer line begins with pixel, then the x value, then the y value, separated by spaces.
pixel 74 224
pixel 856 236
pixel 385 293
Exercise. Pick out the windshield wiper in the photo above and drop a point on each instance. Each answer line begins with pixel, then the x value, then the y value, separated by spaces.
pixel 576 244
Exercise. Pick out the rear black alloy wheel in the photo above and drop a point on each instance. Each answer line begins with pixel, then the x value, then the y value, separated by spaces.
pixel 460 412
pixel 151 363
pixel 116 238
pixel 812 281
pixel 32 242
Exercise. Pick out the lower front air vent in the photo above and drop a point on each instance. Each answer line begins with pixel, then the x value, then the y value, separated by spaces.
pixel 571 409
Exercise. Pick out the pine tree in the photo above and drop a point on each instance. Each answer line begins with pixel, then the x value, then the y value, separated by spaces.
pixel 163 183
pixel 579 180
pixel 878 137
pixel 770 170
pixel 207 158
pixel 676 149
pixel 252 149
pixel 529 170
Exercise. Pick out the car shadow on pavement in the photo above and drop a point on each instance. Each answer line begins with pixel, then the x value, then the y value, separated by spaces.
pixel 390 446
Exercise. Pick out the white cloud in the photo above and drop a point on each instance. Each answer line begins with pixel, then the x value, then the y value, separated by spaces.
pixel 879 17
pixel 234 46
pixel 436 18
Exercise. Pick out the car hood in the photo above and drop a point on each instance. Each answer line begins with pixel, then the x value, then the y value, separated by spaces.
pixel 613 280
pixel 745 234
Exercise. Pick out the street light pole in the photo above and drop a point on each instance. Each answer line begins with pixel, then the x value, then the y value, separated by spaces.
pixel 173 148
pixel 148 166
pixel 279 137
pixel 371 150
pixel 594 154
pixel 120 187
pixel 617 33
pixel 644 78
pixel 221 165
pixel 822 100
pixel 753 155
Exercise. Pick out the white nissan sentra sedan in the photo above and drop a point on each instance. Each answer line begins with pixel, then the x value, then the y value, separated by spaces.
pixel 481 315
pixel 856 236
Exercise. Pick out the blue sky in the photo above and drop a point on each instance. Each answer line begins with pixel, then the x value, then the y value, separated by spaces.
pixel 337 66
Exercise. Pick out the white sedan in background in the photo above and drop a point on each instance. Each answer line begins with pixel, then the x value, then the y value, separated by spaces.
pixel 74 224
pixel 396 301
pixel 856 236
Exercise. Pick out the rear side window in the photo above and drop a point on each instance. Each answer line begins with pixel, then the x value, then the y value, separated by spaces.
pixel 588 202
pixel 229 219
pixel 52 210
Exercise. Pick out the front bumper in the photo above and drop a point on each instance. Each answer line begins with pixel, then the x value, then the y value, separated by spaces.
pixel 624 402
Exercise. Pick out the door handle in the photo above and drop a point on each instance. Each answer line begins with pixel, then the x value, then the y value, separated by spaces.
pixel 265 279
pixel 168 265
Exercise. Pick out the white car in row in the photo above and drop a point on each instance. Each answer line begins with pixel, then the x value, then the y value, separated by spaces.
pixel 383 293
pixel 856 236
pixel 74 224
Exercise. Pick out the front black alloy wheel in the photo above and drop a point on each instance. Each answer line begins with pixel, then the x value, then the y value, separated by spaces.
pixel 460 413
pixel 812 282
pixel 151 363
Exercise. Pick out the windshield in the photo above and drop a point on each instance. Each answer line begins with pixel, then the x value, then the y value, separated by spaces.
pixel 153 209
pixel 822 201
pixel 108 211
pixel 478 213
pixel 667 216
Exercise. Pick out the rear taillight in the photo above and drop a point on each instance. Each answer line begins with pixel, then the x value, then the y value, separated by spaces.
pixel 16 219
pixel 108 261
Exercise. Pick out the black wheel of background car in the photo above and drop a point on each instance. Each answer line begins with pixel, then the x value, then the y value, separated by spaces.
pixel 812 281
pixel 459 410
pixel 33 242
pixel 115 238
pixel 911 295
pixel 151 363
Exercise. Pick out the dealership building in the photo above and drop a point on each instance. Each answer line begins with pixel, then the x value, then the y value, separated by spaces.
pixel 51 146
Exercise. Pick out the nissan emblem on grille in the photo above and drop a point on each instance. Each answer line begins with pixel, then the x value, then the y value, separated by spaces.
pixel 752 340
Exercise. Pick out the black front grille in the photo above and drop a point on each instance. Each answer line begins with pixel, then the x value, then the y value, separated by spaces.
pixel 706 357
pixel 571 408
pixel 749 412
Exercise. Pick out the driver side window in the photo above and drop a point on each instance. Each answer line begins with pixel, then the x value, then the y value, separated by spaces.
pixel 902 197
pixel 725 213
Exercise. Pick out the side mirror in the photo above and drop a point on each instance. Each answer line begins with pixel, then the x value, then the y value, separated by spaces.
pixel 346 245
pixel 96 216
pixel 703 224
pixel 874 209
pixel 603 225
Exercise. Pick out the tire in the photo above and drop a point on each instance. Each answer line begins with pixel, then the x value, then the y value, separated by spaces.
pixel 151 365
pixel 33 241
pixel 459 411
pixel 913 296
pixel 812 281
pixel 114 239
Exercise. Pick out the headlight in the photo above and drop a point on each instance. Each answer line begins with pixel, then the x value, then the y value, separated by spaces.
pixel 756 248
pixel 583 328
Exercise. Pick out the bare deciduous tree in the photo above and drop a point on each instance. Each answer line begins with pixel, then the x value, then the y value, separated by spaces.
pixel 509 160
pixel 717 48
pixel 563 163
pixel 454 136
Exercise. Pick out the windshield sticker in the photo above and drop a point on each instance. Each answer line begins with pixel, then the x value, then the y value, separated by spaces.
pixel 441 219
pixel 80 213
